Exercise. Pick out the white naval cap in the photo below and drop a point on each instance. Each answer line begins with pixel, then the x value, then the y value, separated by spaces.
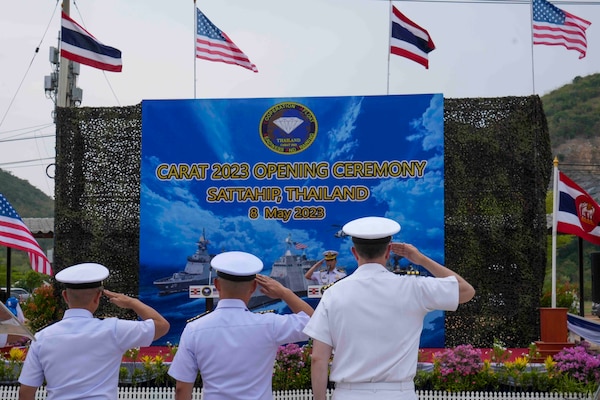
pixel 237 266
pixel 330 254
pixel 371 228
pixel 83 276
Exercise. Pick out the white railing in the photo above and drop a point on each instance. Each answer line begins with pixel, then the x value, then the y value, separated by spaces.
pixel 168 393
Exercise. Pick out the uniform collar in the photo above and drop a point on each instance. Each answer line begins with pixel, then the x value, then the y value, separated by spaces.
pixel 77 312
pixel 231 303
pixel 370 269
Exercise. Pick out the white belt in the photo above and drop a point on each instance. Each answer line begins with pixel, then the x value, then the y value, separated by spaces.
pixel 408 385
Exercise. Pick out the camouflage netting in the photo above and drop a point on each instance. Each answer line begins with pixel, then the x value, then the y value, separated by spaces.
pixel 498 166
pixel 97 195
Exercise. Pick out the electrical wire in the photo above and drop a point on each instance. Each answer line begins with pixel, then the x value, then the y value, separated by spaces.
pixel 23 131
pixel 37 49
pixel 26 161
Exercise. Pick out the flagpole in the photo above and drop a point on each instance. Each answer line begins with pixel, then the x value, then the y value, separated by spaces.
pixel 63 71
pixel 554 224
pixel 389 46
pixel 532 58
pixel 195 32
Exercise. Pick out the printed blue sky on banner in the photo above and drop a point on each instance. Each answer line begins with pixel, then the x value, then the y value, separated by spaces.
pixel 350 132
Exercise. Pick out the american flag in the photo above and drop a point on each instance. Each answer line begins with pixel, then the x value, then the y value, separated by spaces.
pixel 300 246
pixel 212 44
pixel 555 27
pixel 409 39
pixel 14 233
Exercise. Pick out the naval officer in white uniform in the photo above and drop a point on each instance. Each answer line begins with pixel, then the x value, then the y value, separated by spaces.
pixel 328 275
pixel 372 320
pixel 79 356
pixel 233 348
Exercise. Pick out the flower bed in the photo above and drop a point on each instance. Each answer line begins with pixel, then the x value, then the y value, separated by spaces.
pixel 458 369
pixel 575 369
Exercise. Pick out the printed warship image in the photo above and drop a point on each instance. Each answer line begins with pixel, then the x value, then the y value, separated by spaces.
pixel 196 272
pixel 289 270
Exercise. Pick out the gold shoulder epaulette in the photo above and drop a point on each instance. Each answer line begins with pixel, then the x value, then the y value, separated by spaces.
pixel 197 316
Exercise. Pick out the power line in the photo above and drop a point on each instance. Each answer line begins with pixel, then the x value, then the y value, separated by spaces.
pixel 26 161
pixel 37 49
pixel 26 138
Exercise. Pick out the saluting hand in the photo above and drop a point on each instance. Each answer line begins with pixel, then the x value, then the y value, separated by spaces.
pixel 270 287
pixel 408 251
pixel 119 299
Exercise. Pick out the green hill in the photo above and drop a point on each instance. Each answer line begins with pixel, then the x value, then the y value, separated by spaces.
pixel 27 200
pixel 573 111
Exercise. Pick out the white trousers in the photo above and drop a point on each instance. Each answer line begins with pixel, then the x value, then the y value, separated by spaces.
pixel 375 391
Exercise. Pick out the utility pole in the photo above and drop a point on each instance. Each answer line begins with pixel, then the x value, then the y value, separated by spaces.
pixel 63 71
pixel 61 84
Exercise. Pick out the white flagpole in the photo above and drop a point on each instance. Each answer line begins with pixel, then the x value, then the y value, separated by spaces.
pixel 554 224
pixel 389 46
pixel 195 33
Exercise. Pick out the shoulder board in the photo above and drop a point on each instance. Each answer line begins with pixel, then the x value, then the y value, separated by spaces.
pixel 265 312
pixel 341 269
pixel 197 316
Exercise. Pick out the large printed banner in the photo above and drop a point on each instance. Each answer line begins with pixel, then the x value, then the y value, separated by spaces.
pixel 279 178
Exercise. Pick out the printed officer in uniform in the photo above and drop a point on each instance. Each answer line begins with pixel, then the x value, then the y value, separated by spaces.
pixel 325 276
pixel 233 348
pixel 79 356
pixel 372 320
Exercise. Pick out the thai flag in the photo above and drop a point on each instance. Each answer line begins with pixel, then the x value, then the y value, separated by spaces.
pixel 409 39
pixel 77 44
pixel 578 214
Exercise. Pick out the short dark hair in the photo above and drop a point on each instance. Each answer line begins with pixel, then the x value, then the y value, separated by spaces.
pixel 370 249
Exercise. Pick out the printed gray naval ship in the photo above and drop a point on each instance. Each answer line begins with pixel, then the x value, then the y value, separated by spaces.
pixel 289 270
pixel 196 271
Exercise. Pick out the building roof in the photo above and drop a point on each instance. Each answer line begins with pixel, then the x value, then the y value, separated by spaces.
pixel 40 227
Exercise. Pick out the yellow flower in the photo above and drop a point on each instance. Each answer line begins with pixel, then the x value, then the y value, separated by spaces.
pixel 549 363
pixel 147 359
pixel 521 362
pixel 16 354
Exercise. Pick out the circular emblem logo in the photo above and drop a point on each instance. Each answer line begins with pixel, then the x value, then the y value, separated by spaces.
pixel 206 291
pixel 288 128
pixel 589 217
